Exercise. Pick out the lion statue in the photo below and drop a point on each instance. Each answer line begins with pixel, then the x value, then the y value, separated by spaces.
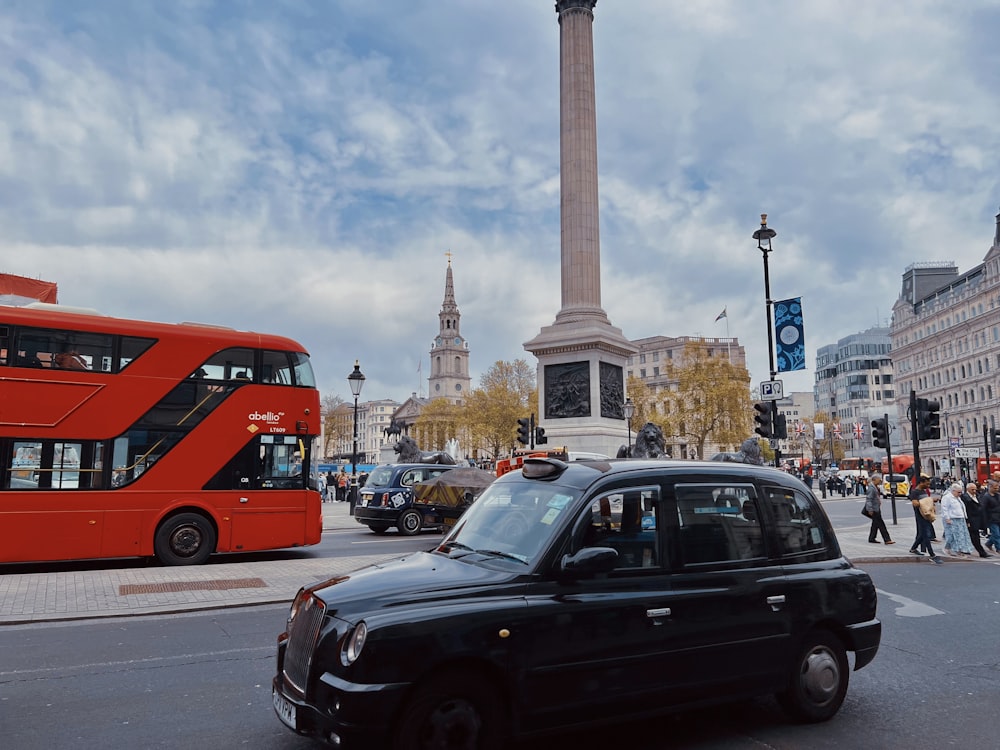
pixel 649 443
pixel 749 453
pixel 410 453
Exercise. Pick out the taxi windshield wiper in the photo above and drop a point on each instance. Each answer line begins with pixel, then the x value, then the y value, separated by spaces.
pixel 505 555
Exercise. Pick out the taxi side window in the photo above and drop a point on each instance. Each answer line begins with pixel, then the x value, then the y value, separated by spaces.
pixel 796 523
pixel 626 520
pixel 718 523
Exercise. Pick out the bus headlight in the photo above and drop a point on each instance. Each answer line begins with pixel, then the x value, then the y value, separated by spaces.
pixel 353 644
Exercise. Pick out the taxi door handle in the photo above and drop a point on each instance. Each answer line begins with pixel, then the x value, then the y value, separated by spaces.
pixel 662 612
pixel 775 601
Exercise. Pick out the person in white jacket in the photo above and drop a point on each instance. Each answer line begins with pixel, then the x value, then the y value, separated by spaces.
pixel 956 530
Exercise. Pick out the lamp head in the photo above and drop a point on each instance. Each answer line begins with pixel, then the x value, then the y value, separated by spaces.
pixel 628 408
pixel 764 234
pixel 356 379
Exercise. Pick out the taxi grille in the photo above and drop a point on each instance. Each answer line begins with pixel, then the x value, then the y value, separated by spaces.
pixel 302 637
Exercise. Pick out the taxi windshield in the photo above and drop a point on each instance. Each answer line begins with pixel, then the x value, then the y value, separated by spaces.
pixel 512 521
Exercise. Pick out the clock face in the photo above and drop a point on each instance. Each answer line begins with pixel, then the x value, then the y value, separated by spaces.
pixel 438 341
pixel 458 386
pixel 458 340
pixel 437 387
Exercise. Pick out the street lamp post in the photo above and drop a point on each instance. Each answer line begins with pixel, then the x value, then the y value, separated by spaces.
pixel 764 235
pixel 356 379
pixel 629 410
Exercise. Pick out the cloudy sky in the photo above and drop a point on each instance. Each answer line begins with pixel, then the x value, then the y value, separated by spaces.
pixel 301 167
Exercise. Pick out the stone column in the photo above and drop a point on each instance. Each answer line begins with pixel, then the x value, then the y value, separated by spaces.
pixel 580 238
pixel 581 356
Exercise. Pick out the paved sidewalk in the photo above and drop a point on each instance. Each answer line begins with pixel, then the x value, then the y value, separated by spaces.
pixel 77 594
pixel 81 594
pixel 854 542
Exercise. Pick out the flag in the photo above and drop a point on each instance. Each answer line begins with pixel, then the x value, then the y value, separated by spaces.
pixel 790 342
pixel 836 431
pixel 859 430
pixel 721 315
pixel 800 429
pixel 818 427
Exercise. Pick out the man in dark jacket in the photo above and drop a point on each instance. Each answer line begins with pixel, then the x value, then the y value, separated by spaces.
pixel 974 516
pixel 873 504
pixel 990 502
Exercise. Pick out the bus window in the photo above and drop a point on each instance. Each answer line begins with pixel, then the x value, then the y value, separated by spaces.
pixel 276 368
pixel 229 363
pixel 303 371
pixel 64 350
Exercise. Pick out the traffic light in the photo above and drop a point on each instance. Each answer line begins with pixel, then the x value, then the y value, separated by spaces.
pixel 780 427
pixel 928 419
pixel 994 440
pixel 763 419
pixel 880 433
pixel 540 438
pixel 524 430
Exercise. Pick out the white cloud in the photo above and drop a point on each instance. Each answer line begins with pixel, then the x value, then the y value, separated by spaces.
pixel 301 168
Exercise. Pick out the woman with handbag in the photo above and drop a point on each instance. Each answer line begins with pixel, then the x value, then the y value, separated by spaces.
pixel 873 509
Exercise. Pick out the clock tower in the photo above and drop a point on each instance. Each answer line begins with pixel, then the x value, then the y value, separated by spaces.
pixel 449 376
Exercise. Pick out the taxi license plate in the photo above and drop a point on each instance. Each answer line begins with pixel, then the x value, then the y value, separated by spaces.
pixel 449 522
pixel 284 708
pixel 364 501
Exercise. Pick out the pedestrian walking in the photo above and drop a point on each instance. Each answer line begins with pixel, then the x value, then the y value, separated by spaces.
pixel 342 480
pixel 923 512
pixel 956 530
pixel 873 505
pixel 990 501
pixel 974 516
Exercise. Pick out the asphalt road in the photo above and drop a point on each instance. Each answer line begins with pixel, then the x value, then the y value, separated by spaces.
pixel 203 680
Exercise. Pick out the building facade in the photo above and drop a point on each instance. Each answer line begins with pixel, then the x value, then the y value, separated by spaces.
pixel 854 385
pixel 651 364
pixel 946 348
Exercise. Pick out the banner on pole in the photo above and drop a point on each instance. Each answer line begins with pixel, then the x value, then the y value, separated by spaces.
pixel 791 344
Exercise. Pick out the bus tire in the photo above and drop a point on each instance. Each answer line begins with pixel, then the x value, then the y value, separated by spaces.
pixel 184 539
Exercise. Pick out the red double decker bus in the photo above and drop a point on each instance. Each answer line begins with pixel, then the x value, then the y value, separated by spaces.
pixel 121 438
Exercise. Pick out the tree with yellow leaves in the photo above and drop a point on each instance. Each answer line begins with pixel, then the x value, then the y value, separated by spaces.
pixel 709 401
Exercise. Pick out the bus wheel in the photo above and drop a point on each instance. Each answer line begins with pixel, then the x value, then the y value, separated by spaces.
pixel 184 539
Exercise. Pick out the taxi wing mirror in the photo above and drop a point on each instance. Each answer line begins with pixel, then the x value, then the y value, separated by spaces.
pixel 590 560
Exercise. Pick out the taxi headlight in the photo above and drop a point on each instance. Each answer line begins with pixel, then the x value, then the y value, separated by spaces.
pixel 353 644
pixel 293 611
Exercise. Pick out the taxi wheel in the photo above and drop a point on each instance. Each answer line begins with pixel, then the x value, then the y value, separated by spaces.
pixel 378 528
pixel 819 678
pixel 184 539
pixel 452 712
pixel 409 523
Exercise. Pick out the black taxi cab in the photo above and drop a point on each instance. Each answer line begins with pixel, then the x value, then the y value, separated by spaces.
pixel 386 500
pixel 574 593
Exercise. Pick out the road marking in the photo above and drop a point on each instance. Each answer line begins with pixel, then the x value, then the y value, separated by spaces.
pixel 910 607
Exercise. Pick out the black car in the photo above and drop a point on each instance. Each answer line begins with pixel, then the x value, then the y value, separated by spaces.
pixel 386 500
pixel 570 594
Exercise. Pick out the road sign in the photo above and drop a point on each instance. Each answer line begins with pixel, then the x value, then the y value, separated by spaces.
pixel 771 390
pixel 967 453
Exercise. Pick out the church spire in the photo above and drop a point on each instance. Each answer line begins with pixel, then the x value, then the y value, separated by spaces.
pixel 449 304
pixel 450 352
